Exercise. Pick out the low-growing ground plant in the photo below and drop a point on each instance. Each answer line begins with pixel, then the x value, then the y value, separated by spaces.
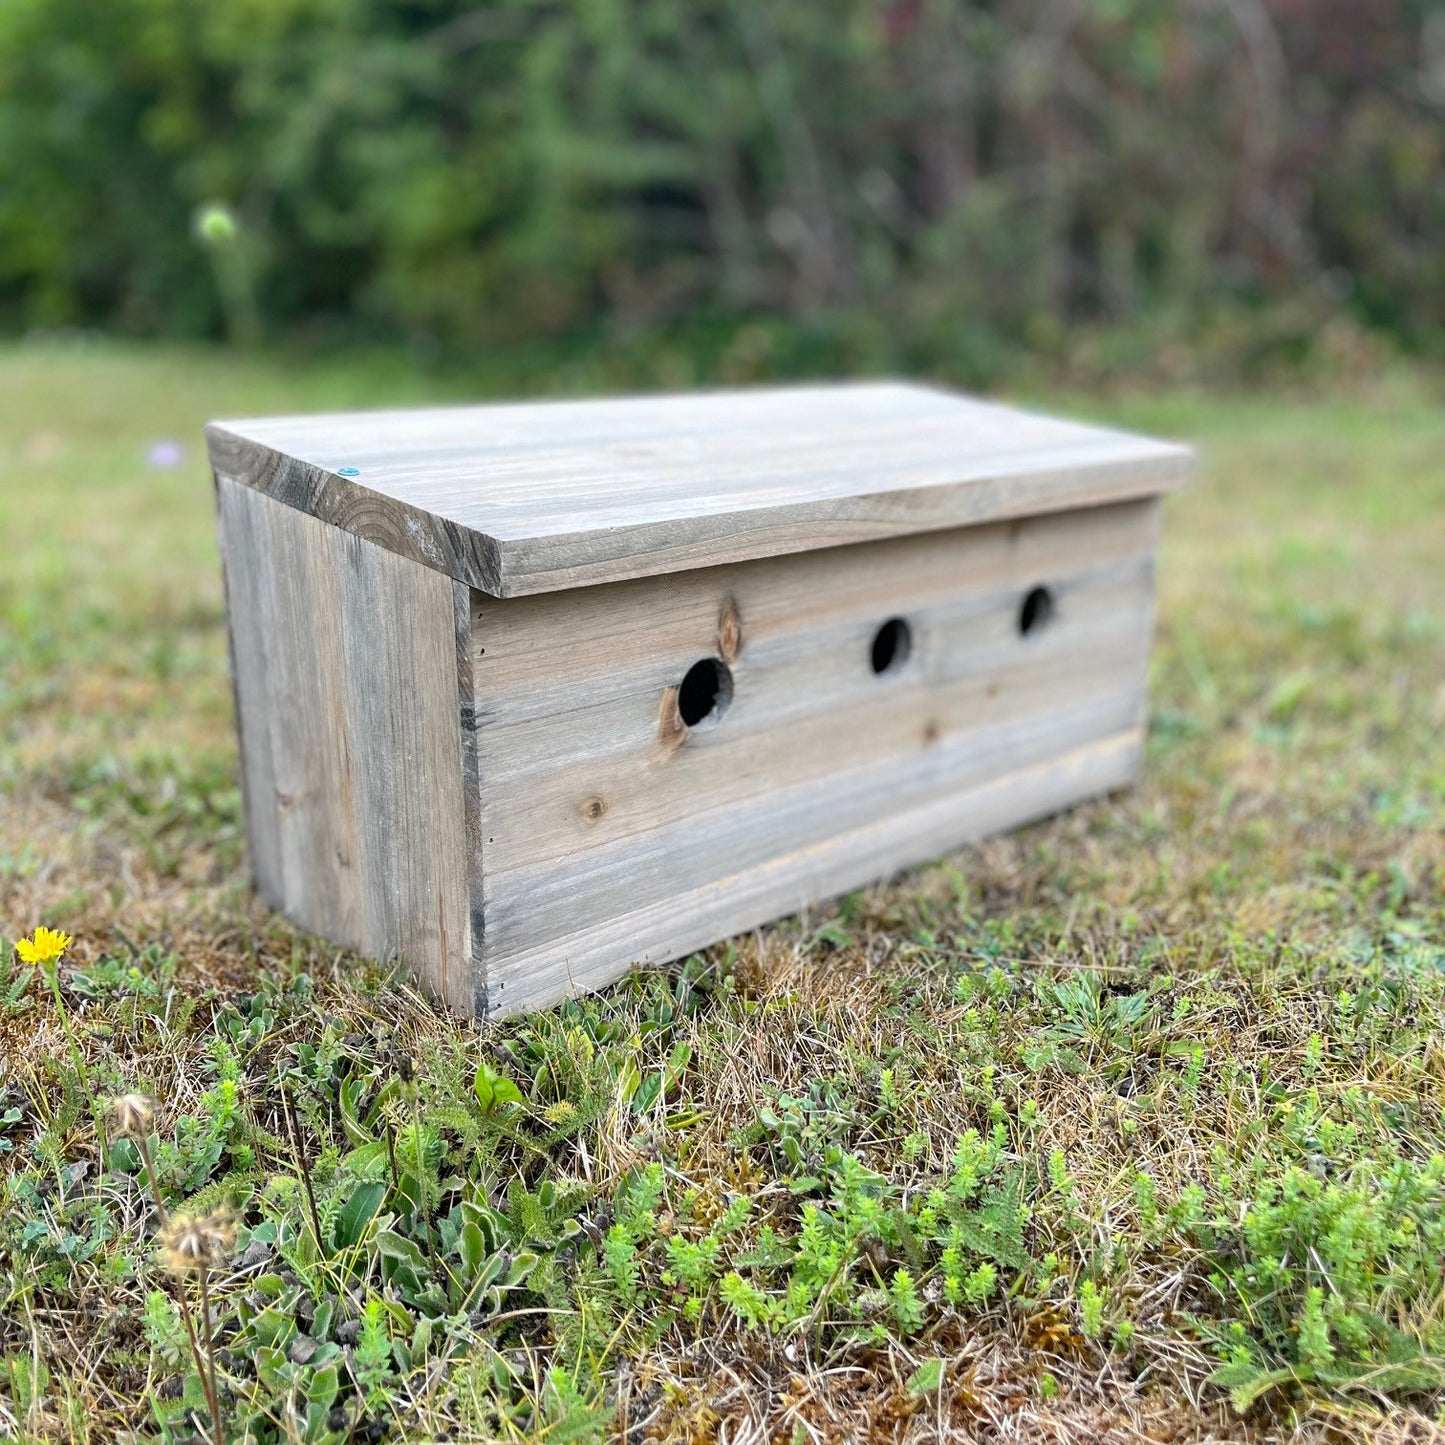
pixel 339 1229
pixel 1125 1126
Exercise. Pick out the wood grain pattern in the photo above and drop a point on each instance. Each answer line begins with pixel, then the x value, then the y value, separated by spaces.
pixel 345 661
pixel 522 499
pixel 614 835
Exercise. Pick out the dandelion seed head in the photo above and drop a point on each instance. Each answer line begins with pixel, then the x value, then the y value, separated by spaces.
pixel 130 1116
pixel 194 1244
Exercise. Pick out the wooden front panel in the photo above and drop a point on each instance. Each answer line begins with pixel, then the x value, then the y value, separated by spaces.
pixel 612 833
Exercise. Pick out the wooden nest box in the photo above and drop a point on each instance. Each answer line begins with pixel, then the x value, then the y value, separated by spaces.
pixel 529 694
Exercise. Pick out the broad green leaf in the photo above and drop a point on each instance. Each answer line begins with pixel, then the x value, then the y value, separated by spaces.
pixel 494 1091
pixel 472 1248
pixel 272 1368
pixel 322 1388
pixel 357 1213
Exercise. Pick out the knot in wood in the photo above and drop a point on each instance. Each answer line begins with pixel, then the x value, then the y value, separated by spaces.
pixel 671 730
pixel 729 632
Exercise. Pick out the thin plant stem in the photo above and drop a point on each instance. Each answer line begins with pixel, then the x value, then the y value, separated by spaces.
pixel 215 1392
pixel 433 1246
pixel 419 1159
pixel 53 974
pixel 302 1168
pixel 77 1059
pixel 391 1156
pixel 213 1403
pixel 143 1145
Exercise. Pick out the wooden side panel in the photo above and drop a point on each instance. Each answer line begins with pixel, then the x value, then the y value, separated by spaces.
pixel 613 834
pixel 345 661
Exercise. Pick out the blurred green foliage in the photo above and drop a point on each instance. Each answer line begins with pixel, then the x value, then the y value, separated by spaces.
pixel 936 183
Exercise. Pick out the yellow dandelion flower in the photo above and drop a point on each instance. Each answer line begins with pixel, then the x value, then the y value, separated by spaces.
pixel 46 947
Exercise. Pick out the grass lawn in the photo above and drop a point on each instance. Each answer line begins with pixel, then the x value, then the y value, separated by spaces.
pixel 1127 1126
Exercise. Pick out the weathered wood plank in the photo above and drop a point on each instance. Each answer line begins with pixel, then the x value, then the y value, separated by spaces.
pixel 559 651
pixel 516 500
pixel 299 787
pixel 346 675
pixel 550 897
pixel 735 902
pixel 606 801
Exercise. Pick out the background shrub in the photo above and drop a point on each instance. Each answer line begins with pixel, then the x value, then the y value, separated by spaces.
pixel 922 180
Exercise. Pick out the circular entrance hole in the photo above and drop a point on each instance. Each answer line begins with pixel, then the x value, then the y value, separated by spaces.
pixel 891 645
pixel 706 691
pixel 1037 610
